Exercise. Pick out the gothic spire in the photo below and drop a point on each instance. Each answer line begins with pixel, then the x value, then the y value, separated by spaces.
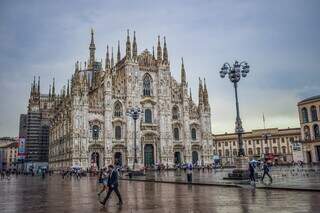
pixel 134 47
pixel 68 89
pixel 128 46
pixel 92 49
pixel 153 53
pixel 159 54
pixel 107 59
pixel 112 60
pixel 165 51
pixel 49 91
pixel 183 73
pixel 190 95
pixel 38 85
pixel 34 84
pixel 118 53
pixel 205 93
pixel 200 92
pixel 53 89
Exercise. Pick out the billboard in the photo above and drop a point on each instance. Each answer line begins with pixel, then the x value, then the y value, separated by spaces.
pixel 22 148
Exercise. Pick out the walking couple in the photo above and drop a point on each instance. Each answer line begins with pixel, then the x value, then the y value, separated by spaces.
pixel 109 179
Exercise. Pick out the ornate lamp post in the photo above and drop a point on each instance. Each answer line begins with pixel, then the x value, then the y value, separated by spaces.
pixel 235 72
pixel 134 112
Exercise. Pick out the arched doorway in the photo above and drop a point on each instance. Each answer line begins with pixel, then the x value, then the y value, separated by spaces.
pixel 95 159
pixel 177 158
pixel 118 158
pixel 195 157
pixel 148 155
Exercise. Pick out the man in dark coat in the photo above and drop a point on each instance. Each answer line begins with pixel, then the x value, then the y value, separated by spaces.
pixel 113 185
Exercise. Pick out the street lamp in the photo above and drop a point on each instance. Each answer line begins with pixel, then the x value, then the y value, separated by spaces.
pixel 134 113
pixel 235 72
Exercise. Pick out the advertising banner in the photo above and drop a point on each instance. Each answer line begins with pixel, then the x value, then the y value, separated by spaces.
pixel 22 148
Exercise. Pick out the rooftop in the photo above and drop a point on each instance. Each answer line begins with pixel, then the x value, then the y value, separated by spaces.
pixel 316 97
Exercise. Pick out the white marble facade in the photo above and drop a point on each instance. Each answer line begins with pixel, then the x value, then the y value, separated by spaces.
pixel 89 125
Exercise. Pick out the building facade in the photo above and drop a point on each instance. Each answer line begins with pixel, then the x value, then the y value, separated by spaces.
pixel 90 128
pixel 273 143
pixel 8 153
pixel 309 115
pixel 37 129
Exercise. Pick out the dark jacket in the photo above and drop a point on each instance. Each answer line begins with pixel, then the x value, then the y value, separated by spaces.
pixel 113 179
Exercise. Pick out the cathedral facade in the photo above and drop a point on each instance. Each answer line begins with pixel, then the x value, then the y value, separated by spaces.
pixel 89 125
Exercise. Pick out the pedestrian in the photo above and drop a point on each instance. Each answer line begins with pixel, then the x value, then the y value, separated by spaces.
pixel 266 171
pixel 251 173
pixel 189 173
pixel 112 185
pixel 103 180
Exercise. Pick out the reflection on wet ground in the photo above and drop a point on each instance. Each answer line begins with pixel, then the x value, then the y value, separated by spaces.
pixel 32 194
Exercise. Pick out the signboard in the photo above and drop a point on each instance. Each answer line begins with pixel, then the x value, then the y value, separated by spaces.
pixel 22 148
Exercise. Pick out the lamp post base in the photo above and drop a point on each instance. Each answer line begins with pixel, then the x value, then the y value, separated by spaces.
pixel 241 171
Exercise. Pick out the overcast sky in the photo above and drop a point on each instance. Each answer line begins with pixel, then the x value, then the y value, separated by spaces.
pixel 279 39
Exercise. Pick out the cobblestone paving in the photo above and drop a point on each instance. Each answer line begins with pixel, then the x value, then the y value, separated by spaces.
pixel 54 194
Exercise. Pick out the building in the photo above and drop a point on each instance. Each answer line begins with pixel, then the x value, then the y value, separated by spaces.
pixel 8 153
pixel 309 114
pixel 23 126
pixel 89 125
pixel 37 129
pixel 275 144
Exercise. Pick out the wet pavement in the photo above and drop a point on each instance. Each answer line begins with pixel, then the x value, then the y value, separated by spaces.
pixel 54 194
pixel 307 178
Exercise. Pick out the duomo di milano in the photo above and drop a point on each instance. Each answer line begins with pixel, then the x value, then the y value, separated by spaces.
pixel 88 121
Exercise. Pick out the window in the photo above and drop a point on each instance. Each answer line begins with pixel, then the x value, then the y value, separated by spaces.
pixel 266 150
pixel 147 85
pixel 118 132
pixel 314 115
pixel 275 150
pixel 95 132
pixel 176 133
pixel 117 109
pixel 227 153
pixel 194 134
pixel 225 143
pixel 304 113
pixel 148 116
pixel 175 113
pixel 234 152
pixel 219 144
pixel 249 142
pixel 282 140
pixel 306 130
pixel 250 152
pixel 284 150
pixel 274 140
pixel 234 143
pixel 258 142
pixel 316 131
pixel 220 152
pixel 258 151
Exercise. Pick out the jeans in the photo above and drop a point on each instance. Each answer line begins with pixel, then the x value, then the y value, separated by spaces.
pixel 116 190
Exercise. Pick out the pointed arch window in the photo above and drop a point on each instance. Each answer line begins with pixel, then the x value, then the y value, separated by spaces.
pixel 147 85
pixel 304 113
pixel 118 132
pixel 316 131
pixel 117 109
pixel 95 132
pixel 194 134
pixel 175 113
pixel 176 133
pixel 147 116
pixel 314 115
